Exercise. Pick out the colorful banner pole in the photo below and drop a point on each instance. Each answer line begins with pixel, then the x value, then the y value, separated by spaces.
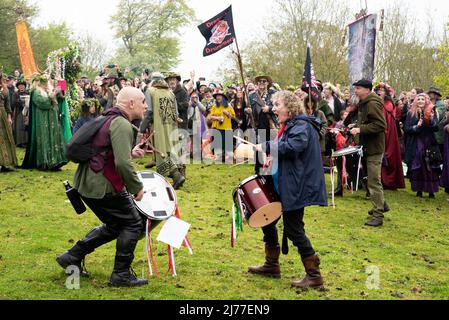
pixel 27 61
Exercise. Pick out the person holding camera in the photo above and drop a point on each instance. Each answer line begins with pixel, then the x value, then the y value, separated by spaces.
pixel 196 125
pixel 221 116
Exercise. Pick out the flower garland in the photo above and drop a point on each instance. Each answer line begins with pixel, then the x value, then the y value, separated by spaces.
pixel 65 64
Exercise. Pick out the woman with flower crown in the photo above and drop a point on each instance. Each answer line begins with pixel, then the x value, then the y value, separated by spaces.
pixel 46 149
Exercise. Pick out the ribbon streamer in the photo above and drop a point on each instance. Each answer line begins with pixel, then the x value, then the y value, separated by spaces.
pixel 233 228
pixel 171 261
pixel 359 168
pixel 333 182
pixel 186 241
pixel 149 250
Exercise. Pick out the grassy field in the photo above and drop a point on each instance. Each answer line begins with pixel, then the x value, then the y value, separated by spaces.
pixel 409 253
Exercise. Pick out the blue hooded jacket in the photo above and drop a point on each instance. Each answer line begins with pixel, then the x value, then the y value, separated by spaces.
pixel 300 167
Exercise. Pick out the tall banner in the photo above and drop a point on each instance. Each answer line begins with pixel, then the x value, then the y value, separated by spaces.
pixel 25 51
pixel 362 48
pixel 309 81
pixel 218 32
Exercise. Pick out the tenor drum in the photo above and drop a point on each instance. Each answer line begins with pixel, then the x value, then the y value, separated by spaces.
pixel 159 202
pixel 259 201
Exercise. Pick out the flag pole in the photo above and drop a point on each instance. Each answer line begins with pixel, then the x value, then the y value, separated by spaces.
pixel 240 62
pixel 310 84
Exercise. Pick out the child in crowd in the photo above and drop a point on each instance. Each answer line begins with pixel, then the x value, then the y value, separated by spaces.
pixel 88 113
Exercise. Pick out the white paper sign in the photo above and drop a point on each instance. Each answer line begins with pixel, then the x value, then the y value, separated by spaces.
pixel 174 232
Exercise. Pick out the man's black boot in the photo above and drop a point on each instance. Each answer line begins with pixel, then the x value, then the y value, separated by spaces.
pixel 178 179
pixel 66 260
pixel 93 239
pixel 123 275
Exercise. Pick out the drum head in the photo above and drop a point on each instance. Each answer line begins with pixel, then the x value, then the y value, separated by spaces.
pixel 244 151
pixel 159 201
pixel 265 215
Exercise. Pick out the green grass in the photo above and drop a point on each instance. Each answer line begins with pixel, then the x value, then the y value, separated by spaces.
pixel 410 250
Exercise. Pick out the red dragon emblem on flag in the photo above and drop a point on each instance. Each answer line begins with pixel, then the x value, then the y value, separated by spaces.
pixel 219 32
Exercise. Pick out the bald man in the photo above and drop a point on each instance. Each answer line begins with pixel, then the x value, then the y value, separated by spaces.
pixel 108 184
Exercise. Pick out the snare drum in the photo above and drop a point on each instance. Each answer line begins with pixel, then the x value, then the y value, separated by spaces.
pixel 259 201
pixel 159 202
pixel 348 151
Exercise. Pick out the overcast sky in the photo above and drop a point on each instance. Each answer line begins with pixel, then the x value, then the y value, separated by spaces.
pixel 249 16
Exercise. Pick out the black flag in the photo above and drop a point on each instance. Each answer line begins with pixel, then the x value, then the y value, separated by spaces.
pixel 309 78
pixel 218 31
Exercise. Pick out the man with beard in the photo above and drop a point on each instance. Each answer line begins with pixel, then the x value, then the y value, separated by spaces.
pixel 264 118
pixel 161 118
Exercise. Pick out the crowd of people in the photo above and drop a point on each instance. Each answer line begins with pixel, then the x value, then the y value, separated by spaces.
pixel 415 131
pixel 402 136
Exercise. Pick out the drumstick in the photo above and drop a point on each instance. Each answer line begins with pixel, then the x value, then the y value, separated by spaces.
pixel 244 141
pixel 155 150
pixel 239 164
pixel 142 145
pixel 150 145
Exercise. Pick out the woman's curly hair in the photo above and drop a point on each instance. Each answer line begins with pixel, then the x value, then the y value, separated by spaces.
pixel 291 101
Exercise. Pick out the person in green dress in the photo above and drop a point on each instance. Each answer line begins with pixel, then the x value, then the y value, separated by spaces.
pixel 46 148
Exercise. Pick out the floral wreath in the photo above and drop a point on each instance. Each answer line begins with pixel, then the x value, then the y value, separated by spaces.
pixel 388 89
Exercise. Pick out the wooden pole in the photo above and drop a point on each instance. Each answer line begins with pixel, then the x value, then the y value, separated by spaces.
pixel 248 104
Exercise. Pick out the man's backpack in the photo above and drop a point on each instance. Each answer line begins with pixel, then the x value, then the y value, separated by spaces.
pixel 79 149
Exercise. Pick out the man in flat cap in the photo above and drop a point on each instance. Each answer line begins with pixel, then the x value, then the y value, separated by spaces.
pixel 371 128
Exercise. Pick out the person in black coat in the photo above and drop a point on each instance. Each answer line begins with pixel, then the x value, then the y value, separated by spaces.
pixel 183 103
pixel 264 120
pixel 298 176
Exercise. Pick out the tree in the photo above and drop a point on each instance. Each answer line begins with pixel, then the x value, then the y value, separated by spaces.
pixel 43 40
pixel 282 51
pixel 442 65
pixel 47 39
pixel 95 54
pixel 405 51
pixel 148 30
